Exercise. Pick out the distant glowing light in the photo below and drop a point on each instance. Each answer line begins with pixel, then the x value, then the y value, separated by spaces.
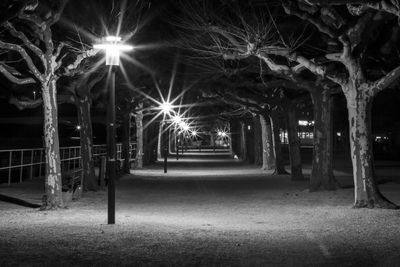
pixel 338 134
pixel 194 133
pixel 78 127
pixel 248 127
pixel 222 133
pixel 177 119
pixel 113 49
pixel 306 123
pixel 185 127
pixel 166 107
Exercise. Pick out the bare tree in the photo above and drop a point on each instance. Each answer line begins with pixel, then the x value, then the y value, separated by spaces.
pixel 28 37
pixel 255 36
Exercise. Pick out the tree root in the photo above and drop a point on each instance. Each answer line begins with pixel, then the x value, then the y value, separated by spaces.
pixel 280 172
pixel 51 204
pixel 371 204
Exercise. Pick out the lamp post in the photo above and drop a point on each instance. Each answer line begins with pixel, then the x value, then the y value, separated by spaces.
pixel 177 119
pixel 112 48
pixel 166 108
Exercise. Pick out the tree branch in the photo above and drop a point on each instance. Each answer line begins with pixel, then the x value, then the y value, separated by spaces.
pixel 56 14
pixel 17 7
pixel 14 79
pixel 69 70
pixel 20 35
pixel 385 81
pixel 25 103
pixel 25 56
pixel 291 9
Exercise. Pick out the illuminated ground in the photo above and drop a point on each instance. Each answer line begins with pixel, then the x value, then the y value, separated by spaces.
pixel 204 212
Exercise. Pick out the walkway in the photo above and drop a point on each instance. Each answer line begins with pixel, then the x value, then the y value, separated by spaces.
pixel 208 210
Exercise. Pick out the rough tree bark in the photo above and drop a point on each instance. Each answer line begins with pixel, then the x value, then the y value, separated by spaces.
pixel 366 191
pixel 159 139
pixel 53 193
pixel 243 145
pixel 258 154
pixel 86 142
pixel 322 170
pixel 279 162
pixel 294 144
pixel 268 157
pixel 139 138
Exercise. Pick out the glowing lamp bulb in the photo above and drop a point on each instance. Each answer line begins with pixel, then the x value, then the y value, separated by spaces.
pixel 112 48
pixel 177 119
pixel 166 107
pixel 185 127
pixel 223 134
pixel 194 133
pixel 78 127
pixel 219 133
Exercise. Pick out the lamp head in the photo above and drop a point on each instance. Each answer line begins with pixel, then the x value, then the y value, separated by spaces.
pixel 113 48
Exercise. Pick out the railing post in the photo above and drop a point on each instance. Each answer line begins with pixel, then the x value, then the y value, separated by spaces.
pixel 40 163
pixel 31 170
pixel 21 167
pixel 9 166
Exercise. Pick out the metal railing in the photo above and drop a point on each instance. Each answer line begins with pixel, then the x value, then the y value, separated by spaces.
pixel 17 164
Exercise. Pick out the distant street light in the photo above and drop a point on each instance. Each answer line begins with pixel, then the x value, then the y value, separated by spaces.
pixel 166 108
pixel 177 119
pixel 113 49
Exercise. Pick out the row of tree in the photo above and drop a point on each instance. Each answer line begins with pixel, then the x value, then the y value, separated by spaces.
pixel 267 54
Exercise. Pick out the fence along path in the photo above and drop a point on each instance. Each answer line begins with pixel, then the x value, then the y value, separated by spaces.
pixel 17 164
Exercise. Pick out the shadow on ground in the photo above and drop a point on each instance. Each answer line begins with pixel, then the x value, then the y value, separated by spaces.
pixel 208 212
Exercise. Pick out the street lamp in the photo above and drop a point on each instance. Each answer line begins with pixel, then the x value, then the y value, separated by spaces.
pixel 166 109
pixel 177 119
pixel 112 48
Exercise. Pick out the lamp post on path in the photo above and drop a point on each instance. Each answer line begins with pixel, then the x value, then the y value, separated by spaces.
pixel 113 48
pixel 177 120
pixel 166 108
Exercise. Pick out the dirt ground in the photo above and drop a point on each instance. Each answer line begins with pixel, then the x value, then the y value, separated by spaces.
pixel 204 212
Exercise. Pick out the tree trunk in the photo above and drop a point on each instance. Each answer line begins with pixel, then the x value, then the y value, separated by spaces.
pixel 294 145
pixel 53 194
pixel 257 141
pixel 366 191
pixel 243 145
pixel 230 139
pixel 322 171
pixel 139 139
pixel 160 130
pixel 126 139
pixel 268 157
pixel 86 141
pixel 279 163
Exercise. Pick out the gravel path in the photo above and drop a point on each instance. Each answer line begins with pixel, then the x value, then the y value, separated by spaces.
pixel 202 213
